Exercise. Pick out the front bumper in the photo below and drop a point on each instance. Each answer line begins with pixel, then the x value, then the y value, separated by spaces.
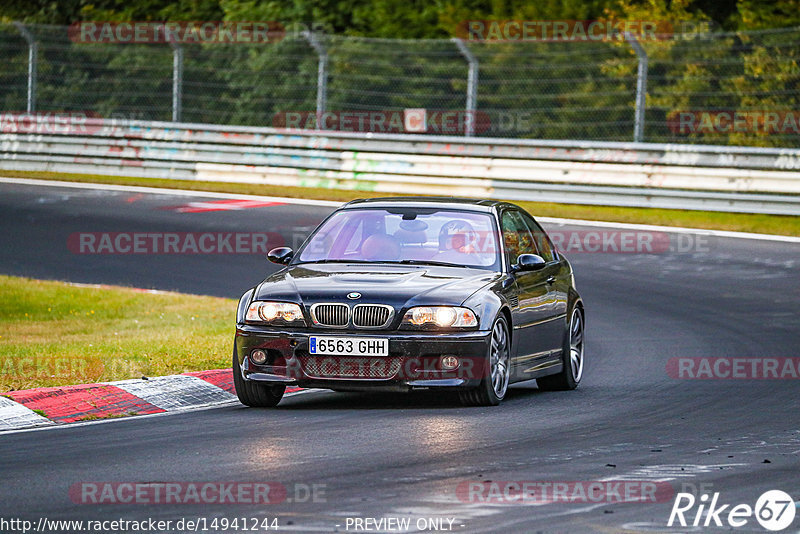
pixel 413 361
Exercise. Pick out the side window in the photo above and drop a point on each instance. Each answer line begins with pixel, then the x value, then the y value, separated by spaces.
pixel 516 236
pixel 543 243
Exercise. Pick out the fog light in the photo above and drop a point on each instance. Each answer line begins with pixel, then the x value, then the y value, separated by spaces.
pixel 258 356
pixel 449 362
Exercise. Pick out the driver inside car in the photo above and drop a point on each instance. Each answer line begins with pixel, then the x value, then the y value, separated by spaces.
pixel 456 239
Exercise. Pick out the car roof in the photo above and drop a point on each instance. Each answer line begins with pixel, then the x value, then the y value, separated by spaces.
pixel 465 204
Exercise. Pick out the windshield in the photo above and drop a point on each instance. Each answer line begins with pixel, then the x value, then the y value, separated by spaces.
pixel 405 235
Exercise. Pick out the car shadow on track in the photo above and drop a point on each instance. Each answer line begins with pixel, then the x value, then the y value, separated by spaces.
pixel 329 400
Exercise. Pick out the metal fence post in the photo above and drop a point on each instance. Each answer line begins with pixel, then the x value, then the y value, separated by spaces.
pixel 472 86
pixel 33 54
pixel 177 81
pixel 322 73
pixel 641 88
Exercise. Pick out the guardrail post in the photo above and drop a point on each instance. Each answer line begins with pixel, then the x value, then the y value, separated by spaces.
pixel 641 87
pixel 33 54
pixel 177 81
pixel 472 86
pixel 322 72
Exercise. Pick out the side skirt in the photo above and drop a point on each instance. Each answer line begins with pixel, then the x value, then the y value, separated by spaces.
pixel 535 365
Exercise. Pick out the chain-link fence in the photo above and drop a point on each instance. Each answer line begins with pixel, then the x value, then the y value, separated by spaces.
pixel 715 88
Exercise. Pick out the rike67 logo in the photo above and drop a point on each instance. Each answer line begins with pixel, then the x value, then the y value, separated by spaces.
pixel 774 510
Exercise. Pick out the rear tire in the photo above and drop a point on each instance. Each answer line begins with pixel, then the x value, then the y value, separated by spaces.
pixel 571 357
pixel 494 385
pixel 252 393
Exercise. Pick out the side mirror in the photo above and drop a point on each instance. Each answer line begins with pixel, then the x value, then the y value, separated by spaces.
pixel 528 262
pixel 280 255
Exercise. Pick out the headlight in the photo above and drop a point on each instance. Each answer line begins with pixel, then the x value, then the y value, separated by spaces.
pixel 440 316
pixel 275 313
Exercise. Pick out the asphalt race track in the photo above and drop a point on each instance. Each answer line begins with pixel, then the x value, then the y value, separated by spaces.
pixel 404 456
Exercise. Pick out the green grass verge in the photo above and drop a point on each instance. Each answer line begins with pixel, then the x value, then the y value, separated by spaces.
pixel 94 417
pixel 53 333
pixel 739 222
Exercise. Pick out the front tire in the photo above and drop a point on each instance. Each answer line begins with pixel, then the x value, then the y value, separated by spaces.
pixel 494 385
pixel 252 393
pixel 571 357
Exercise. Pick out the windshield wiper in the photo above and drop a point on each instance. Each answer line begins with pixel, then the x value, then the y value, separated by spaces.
pixel 335 261
pixel 426 262
pixel 393 262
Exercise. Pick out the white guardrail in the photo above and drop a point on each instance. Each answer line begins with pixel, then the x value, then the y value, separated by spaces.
pixel 696 177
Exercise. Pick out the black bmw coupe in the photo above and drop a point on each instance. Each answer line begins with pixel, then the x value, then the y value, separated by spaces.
pixel 413 293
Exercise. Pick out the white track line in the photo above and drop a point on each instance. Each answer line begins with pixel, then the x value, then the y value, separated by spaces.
pixel 329 203
pixel 65 426
pixel 672 229
pixel 164 191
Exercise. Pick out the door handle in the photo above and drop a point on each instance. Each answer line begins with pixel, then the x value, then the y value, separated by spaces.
pixel 551 279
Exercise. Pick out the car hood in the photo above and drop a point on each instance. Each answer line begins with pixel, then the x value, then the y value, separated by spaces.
pixel 397 285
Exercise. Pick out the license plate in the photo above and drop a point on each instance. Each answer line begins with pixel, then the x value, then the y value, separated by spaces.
pixel 348 346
